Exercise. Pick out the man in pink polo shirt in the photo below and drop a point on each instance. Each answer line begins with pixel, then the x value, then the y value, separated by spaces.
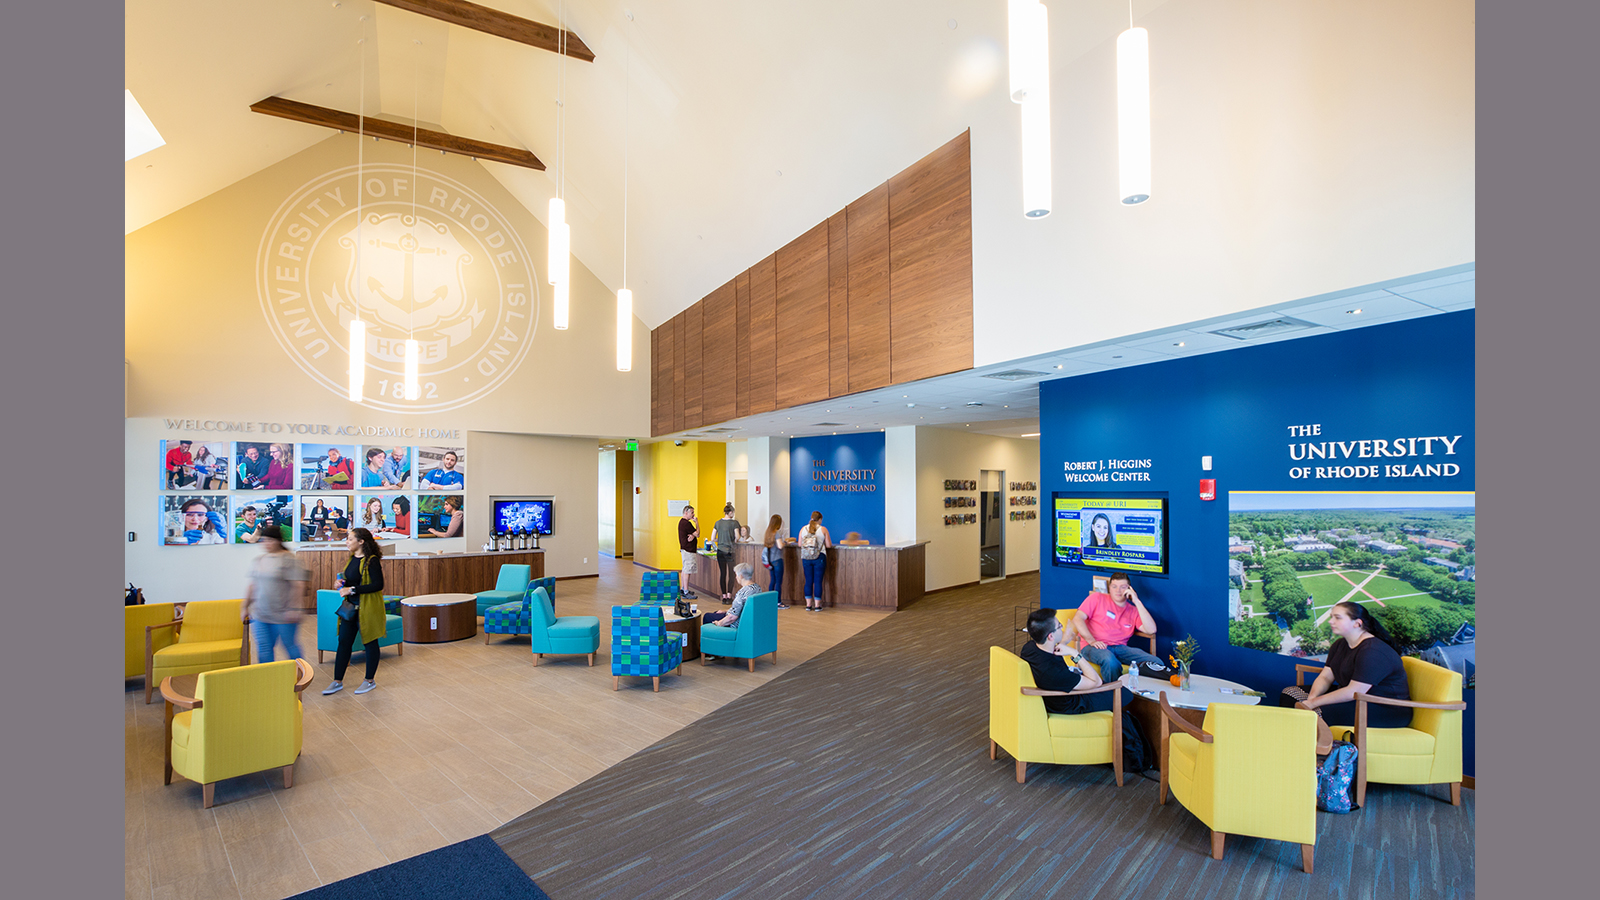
pixel 1106 621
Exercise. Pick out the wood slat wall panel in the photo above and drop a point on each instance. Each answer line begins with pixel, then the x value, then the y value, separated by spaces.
pixel 803 309
pixel 838 307
pixel 741 290
pixel 930 264
pixel 678 357
pixel 763 336
pixel 655 385
pixel 693 368
pixel 867 250
pixel 720 363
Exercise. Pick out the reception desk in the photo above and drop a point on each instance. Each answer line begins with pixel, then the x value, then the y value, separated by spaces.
pixel 874 576
pixel 413 574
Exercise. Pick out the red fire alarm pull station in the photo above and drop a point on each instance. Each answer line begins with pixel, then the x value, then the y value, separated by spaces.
pixel 758 488
pixel 1208 489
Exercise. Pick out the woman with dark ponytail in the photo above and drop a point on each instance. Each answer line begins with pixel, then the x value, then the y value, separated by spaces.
pixel 362 585
pixel 1363 660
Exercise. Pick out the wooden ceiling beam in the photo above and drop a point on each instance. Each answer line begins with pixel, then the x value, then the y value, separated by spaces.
pixel 500 24
pixel 394 131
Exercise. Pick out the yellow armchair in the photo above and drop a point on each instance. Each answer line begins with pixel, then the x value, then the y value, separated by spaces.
pixel 1019 724
pixel 211 635
pixel 1251 770
pixel 1426 752
pixel 137 619
pixel 240 720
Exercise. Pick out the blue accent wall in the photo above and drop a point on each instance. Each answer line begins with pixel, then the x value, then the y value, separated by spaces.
pixel 1403 379
pixel 840 476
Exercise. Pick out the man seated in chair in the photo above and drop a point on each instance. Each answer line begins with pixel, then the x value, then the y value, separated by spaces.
pixel 1056 667
pixel 1106 621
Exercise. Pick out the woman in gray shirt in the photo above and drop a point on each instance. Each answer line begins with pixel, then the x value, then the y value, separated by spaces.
pixel 726 529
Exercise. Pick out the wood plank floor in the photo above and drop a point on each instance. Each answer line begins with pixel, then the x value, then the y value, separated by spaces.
pixel 458 739
pixel 865 773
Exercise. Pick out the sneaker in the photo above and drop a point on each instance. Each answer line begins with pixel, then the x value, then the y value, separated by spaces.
pixel 710 658
pixel 333 688
pixel 365 686
pixel 783 606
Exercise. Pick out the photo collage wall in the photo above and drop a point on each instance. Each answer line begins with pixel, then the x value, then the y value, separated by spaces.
pixel 234 492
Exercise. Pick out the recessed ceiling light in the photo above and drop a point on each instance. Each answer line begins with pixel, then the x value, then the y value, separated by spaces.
pixel 1117 356
pixel 1058 365
pixel 1178 344
pixel 952 24
pixel 1352 312
pixel 778 172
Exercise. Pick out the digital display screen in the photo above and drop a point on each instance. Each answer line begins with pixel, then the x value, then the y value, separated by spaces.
pixel 1126 532
pixel 532 516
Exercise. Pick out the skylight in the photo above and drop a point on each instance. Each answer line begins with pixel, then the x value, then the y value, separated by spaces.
pixel 138 132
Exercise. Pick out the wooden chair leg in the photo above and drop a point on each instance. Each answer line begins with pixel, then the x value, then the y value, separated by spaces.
pixel 149 688
pixel 591 660
pixel 1161 755
pixel 774 657
pixel 486 638
pixel 752 663
pixel 655 681
pixel 1307 851
pixel 288 776
pixel 319 656
pixel 208 795
pixel 1022 772
pixel 1455 793
pixel 993 749
pixel 616 682
pixel 400 649
pixel 1216 844
pixel 703 660
pixel 1361 785
pixel 536 658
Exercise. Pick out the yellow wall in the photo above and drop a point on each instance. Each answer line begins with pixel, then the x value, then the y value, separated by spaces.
pixel 713 492
pixel 693 472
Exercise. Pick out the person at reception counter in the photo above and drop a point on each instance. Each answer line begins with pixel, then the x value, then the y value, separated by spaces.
pixel 854 539
pixel 726 531
pixel 814 543
pixel 452 508
pixel 688 547
pixel 1106 621
pixel 772 544
pixel 445 477
pixel 372 475
pixel 1362 660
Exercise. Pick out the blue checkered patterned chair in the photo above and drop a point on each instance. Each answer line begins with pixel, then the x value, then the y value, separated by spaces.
pixel 641 644
pixel 658 588
pixel 516 617
pixel 566 635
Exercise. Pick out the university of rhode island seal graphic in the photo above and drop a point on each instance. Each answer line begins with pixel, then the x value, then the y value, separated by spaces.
pixel 426 258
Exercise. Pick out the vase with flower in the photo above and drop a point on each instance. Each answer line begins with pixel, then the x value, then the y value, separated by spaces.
pixel 1182 658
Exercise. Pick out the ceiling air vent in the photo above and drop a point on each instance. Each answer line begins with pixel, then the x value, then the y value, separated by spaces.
pixel 828 425
pixel 719 430
pixel 974 402
pixel 1015 374
pixel 1268 328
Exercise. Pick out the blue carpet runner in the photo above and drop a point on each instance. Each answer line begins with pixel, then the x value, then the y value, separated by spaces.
pixel 477 868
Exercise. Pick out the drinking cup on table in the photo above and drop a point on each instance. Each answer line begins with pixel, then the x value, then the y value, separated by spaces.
pixel 694 609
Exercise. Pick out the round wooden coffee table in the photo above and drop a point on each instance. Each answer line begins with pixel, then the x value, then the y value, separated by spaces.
pixel 437 618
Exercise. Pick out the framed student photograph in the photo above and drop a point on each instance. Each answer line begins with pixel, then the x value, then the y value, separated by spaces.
pixel 189 520
pixel 441 468
pixel 439 516
pixel 387 516
pixel 324 518
pixel 327 467
pixel 191 464
pixel 391 472
pixel 255 516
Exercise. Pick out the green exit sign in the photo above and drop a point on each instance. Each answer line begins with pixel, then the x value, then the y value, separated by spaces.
pixel 631 446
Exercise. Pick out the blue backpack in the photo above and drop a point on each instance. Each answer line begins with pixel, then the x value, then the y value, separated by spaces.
pixel 1336 777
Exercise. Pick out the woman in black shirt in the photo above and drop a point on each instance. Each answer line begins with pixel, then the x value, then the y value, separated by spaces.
pixel 1363 661
pixel 361 584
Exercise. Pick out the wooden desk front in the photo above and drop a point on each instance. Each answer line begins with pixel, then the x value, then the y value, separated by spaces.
pixel 408 575
pixel 876 577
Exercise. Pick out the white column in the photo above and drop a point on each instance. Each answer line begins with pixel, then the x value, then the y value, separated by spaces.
pixel 900 484
pixel 769 471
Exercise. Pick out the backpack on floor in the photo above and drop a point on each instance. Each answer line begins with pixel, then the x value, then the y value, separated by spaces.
pixel 1336 777
pixel 1137 753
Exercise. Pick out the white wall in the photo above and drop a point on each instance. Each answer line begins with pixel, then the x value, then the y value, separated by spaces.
pixel 607 501
pixel 767 459
pixel 953 550
pixel 900 484
pixel 567 469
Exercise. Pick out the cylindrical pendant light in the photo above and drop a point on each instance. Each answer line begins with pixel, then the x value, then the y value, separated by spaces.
pixel 1036 187
pixel 624 330
pixel 558 215
pixel 1028 46
pixel 1133 116
pixel 559 294
pixel 358 359
pixel 413 352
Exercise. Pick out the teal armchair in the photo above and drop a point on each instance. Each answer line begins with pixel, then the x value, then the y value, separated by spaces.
pixel 641 645
pixel 756 633
pixel 328 627
pixel 568 635
pixel 508 588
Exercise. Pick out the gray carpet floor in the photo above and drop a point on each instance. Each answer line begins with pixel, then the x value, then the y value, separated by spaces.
pixel 865 773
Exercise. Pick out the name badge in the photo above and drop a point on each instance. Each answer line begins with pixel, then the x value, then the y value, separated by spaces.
pixel 1110 614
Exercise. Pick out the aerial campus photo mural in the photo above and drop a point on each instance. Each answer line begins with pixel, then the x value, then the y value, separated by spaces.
pixel 1408 557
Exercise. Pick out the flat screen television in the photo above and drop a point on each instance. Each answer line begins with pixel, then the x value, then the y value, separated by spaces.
pixel 516 515
pixel 1124 531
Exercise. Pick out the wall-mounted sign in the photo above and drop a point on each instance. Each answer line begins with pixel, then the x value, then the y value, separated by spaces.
pixel 426 259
